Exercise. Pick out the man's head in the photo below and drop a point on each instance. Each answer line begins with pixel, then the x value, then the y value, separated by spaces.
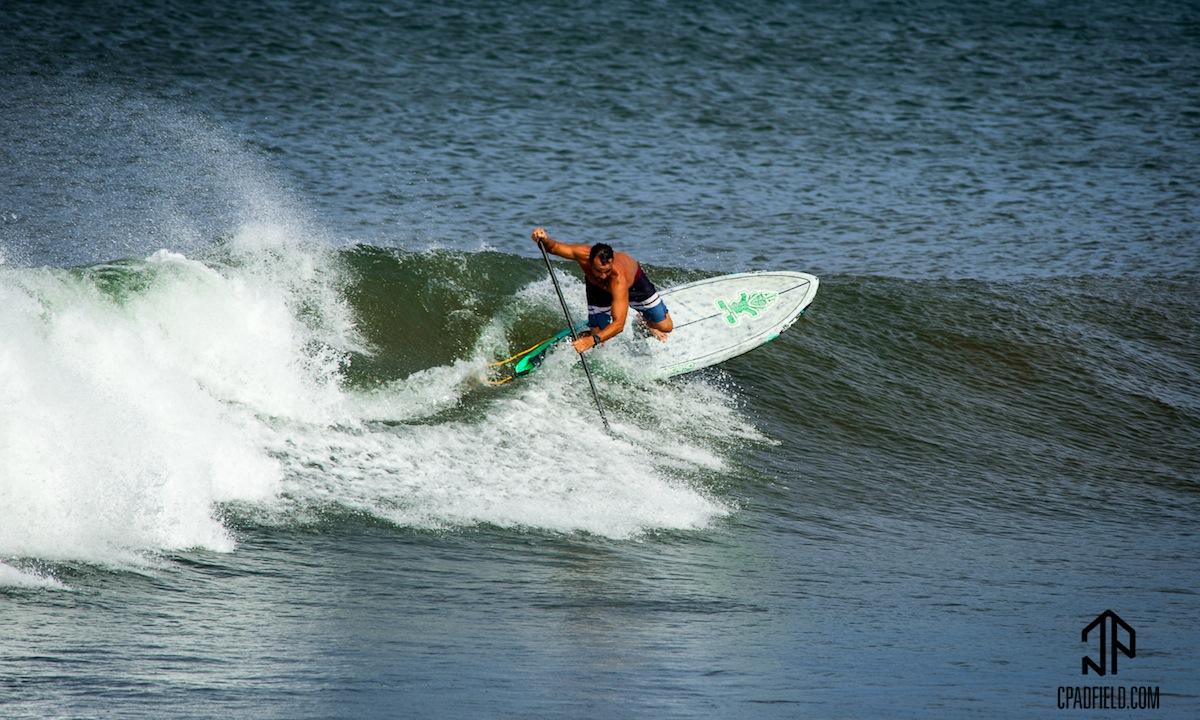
pixel 601 259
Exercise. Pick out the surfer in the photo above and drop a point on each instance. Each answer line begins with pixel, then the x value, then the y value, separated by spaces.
pixel 615 282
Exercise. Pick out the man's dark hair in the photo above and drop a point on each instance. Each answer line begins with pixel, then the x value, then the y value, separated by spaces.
pixel 602 251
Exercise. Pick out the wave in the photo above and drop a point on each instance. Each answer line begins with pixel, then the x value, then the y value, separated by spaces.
pixel 166 404
pixel 156 405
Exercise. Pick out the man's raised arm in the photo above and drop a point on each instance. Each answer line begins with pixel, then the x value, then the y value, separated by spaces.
pixel 578 253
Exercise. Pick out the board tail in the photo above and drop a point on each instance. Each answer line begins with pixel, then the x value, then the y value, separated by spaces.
pixel 527 360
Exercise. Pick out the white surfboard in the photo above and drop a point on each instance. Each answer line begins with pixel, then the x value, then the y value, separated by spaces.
pixel 714 320
pixel 720 318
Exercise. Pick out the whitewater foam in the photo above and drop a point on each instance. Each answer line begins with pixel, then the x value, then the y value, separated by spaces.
pixel 11 577
pixel 531 459
pixel 134 405
pixel 147 401
pixel 529 454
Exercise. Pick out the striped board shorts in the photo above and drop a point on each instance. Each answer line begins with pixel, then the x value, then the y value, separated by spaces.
pixel 643 297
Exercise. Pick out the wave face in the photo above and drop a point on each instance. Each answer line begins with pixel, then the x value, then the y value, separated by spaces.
pixel 1028 401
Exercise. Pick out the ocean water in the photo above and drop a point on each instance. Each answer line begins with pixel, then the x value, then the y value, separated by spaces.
pixel 255 259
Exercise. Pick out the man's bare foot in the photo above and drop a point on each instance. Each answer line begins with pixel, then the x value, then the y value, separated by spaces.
pixel 645 327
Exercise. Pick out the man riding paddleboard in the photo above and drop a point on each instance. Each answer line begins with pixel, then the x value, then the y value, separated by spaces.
pixel 615 282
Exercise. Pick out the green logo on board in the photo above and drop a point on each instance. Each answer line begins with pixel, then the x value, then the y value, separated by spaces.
pixel 749 304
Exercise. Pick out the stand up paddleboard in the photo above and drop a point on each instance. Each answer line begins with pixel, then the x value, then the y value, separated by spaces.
pixel 715 319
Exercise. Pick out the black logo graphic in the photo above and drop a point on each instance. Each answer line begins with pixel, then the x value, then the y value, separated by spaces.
pixel 1106 620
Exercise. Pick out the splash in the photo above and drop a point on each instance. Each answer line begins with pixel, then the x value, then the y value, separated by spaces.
pixel 147 403
pixel 11 577
pixel 134 399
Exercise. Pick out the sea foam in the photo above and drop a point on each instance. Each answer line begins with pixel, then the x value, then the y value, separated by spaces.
pixel 146 401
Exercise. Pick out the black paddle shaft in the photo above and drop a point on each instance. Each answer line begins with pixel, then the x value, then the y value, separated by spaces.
pixel 574 336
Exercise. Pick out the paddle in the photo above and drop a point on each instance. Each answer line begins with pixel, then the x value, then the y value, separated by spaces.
pixel 574 336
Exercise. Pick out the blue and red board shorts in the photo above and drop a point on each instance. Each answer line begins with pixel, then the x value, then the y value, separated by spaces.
pixel 643 297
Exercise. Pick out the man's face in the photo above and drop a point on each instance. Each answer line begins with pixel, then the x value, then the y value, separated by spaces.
pixel 602 270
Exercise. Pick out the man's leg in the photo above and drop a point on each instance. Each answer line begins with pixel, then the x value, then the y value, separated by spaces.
pixel 657 320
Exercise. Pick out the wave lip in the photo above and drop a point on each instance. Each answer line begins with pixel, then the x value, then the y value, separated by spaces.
pixel 11 577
